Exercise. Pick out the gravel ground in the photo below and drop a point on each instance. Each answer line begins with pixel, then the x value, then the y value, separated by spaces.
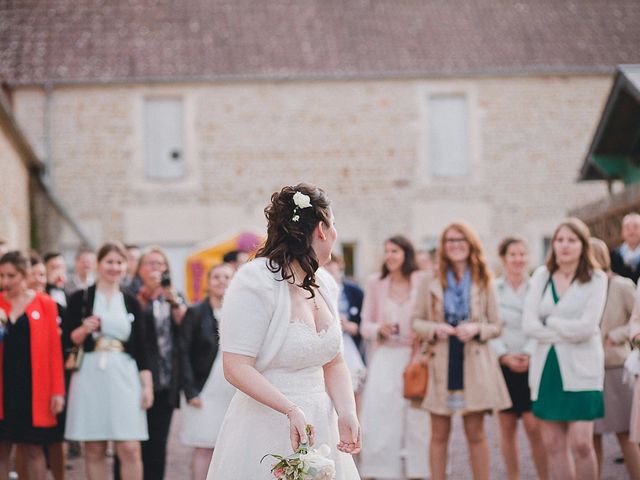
pixel 179 457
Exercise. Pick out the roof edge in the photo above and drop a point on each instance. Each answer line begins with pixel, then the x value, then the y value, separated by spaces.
pixel 329 76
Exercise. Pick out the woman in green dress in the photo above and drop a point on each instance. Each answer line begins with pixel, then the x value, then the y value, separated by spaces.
pixel 562 312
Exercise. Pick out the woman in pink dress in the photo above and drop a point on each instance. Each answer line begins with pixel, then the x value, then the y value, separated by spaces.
pixel 395 434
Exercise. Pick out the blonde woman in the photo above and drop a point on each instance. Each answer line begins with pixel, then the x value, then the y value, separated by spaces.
pixel 618 397
pixel 457 313
pixel 514 350
pixel 634 337
pixel 206 392
pixel 562 312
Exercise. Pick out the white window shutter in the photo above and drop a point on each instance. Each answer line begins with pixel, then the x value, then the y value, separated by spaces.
pixel 163 139
pixel 449 136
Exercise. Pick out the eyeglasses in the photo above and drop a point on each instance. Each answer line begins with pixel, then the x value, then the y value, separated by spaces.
pixel 154 263
pixel 455 240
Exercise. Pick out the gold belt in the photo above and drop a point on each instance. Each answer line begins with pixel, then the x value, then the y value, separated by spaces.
pixel 109 345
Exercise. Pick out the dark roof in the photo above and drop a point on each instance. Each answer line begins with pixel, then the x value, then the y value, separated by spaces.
pixel 123 40
pixel 615 149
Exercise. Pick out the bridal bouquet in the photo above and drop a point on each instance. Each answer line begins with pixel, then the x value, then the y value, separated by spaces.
pixel 305 464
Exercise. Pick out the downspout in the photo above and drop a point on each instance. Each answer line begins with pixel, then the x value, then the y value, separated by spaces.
pixel 44 177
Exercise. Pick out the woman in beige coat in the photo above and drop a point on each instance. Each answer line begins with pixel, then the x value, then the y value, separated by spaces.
pixel 614 328
pixel 634 337
pixel 457 313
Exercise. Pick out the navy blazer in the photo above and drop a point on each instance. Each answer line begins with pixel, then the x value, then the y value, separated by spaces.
pixel 354 295
pixel 618 266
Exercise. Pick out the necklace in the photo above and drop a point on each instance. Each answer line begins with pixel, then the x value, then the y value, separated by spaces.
pixel 315 304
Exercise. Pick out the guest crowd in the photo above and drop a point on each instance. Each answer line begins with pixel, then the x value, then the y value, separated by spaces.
pixel 105 356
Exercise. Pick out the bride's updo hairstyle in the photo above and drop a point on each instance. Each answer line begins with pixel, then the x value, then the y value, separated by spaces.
pixel 289 231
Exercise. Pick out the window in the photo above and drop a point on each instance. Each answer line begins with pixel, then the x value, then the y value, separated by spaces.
pixel 163 139
pixel 546 246
pixel 449 136
pixel 349 254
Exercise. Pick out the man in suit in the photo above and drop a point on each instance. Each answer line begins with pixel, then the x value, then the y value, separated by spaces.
pixel 56 268
pixel 349 300
pixel 625 260
pixel 83 271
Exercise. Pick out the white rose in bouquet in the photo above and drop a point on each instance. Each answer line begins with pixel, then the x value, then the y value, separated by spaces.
pixel 306 463
pixel 318 465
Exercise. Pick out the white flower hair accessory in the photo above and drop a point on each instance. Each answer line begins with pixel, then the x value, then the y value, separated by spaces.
pixel 301 201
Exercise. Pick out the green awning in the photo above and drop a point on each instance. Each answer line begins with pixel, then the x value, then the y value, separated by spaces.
pixel 615 150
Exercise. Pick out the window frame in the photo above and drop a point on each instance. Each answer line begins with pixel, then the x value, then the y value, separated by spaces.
pixel 138 181
pixel 424 162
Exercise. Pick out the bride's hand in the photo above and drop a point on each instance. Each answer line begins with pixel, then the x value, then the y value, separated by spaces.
pixel 297 428
pixel 349 429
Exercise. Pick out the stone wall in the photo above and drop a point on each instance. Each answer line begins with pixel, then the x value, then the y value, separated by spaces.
pixel 363 141
pixel 14 194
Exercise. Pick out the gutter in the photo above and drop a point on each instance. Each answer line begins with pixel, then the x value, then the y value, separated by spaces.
pixel 286 75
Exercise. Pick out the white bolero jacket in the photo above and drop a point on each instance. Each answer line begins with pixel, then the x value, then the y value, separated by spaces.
pixel 256 310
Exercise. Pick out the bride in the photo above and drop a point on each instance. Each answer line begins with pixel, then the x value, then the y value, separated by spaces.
pixel 281 342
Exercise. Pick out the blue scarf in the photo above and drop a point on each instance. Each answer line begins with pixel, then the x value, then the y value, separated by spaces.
pixel 457 297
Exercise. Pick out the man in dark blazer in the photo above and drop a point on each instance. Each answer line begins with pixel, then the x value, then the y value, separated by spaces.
pixel 349 301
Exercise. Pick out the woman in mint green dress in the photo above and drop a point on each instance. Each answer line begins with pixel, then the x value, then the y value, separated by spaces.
pixel 562 312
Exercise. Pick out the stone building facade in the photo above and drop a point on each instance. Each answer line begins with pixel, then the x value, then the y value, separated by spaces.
pixel 365 142
pixel 16 164
pixel 173 123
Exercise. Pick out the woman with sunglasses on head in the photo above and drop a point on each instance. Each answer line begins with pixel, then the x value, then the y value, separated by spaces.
pixel 457 313
pixel 563 309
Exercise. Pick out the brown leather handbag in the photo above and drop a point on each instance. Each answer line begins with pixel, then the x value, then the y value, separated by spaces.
pixel 416 373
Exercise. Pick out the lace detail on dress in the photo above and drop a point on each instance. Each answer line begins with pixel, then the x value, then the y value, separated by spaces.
pixel 304 347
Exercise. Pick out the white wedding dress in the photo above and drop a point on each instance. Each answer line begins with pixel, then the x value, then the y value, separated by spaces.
pixel 251 430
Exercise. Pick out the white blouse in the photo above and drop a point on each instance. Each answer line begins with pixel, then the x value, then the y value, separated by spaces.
pixel 512 339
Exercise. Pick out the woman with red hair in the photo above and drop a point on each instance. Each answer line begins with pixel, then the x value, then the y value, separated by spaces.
pixel 456 313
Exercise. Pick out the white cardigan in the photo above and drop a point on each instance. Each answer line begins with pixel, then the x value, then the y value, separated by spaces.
pixel 256 310
pixel 572 326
